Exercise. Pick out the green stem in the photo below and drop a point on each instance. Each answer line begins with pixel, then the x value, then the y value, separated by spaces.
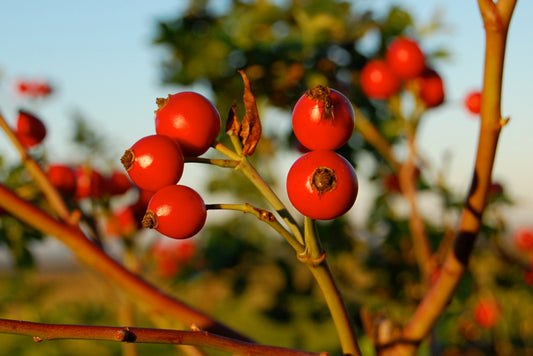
pixel 246 168
pixel 317 264
pixel 337 308
pixel 225 163
pixel 310 252
pixel 312 242
pixel 263 215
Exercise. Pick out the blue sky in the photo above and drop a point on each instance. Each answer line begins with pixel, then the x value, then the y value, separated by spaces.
pixel 99 57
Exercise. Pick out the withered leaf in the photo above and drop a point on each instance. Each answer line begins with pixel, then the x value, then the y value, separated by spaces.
pixel 233 126
pixel 251 125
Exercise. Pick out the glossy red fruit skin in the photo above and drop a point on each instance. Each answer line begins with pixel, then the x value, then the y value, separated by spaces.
pixel 431 88
pixel 473 102
pixel 29 129
pixel 323 124
pixel 190 119
pixel 63 178
pixel 179 210
pixel 405 58
pixel 378 81
pixel 304 195
pixel 155 162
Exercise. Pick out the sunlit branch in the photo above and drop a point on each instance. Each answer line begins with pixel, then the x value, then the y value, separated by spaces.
pixel 50 192
pixel 142 292
pixel 46 332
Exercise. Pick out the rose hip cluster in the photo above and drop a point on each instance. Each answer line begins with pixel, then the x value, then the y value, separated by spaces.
pixel 322 184
pixel 404 62
pixel 186 125
pixel 74 181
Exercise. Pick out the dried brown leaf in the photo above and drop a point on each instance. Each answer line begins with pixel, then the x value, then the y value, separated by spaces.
pixel 233 127
pixel 251 125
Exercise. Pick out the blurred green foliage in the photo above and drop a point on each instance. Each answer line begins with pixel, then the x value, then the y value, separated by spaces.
pixel 242 272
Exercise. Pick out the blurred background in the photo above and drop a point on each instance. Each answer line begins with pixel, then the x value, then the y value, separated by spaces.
pixel 107 62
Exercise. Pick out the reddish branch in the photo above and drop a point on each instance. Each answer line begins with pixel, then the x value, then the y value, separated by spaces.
pixel 43 332
pixel 496 19
pixel 141 291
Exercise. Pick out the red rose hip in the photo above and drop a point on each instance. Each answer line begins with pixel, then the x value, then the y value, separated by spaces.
pixel 176 211
pixel 30 129
pixel 322 185
pixel 487 313
pixel 154 162
pixel 323 119
pixel 190 119
pixel 63 178
pixel 405 58
pixel 378 81
pixel 473 102
pixel 431 88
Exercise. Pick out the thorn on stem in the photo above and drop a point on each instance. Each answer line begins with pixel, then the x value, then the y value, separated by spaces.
pixel 195 327
pixel 504 121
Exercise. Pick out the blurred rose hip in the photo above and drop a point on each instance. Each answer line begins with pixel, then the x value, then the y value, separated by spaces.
pixel 62 177
pixel 378 81
pixel 523 238
pixel 473 102
pixel 405 58
pixel 30 130
pixel 487 313
pixel 431 88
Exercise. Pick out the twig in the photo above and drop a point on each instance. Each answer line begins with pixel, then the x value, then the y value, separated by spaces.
pixel 51 193
pixel 407 179
pixel 496 18
pixel 372 135
pixel 263 215
pixel 45 332
pixel 225 163
pixel 141 291
pixel 315 259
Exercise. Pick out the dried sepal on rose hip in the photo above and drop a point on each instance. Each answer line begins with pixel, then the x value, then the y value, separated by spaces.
pixel 322 185
pixel 250 131
pixel 154 162
pixel 176 211
pixel 323 119
pixel 190 119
